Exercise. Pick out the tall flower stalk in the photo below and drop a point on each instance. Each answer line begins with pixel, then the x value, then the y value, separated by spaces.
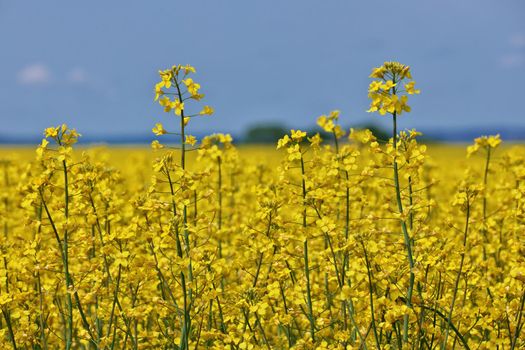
pixel 489 145
pixel 464 199
pixel 388 97
pixel 65 138
pixel 295 152
pixel 173 92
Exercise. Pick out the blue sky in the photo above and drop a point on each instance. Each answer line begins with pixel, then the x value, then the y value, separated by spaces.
pixel 93 64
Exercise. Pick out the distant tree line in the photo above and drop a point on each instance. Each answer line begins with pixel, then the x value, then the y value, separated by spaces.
pixel 270 133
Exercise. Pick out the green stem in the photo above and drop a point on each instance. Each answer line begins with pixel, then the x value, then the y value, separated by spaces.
pixel 450 324
pixel 9 328
pixel 371 294
pixel 485 182
pixel 406 236
pixel 262 331
pixel 518 323
pixel 65 260
pixel 458 277
pixel 174 209
pixel 99 229
pixel 305 253
pixel 289 334
pixel 41 316
pixel 308 291
pixel 186 291
pixel 115 296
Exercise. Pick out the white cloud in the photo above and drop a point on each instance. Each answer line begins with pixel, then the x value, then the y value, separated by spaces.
pixel 517 41
pixel 77 76
pixel 34 74
pixel 512 60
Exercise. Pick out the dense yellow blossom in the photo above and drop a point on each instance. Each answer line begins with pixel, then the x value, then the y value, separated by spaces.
pixel 337 243
pixel 385 93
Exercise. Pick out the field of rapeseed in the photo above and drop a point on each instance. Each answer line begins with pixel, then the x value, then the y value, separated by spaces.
pixel 347 242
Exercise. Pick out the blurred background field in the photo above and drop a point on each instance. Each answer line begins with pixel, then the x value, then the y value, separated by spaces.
pixel 122 154
pixel 129 157
pixel 134 159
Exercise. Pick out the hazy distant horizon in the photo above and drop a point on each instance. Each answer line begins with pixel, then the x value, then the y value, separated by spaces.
pixel 462 134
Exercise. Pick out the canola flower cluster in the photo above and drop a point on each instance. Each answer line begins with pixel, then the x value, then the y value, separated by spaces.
pixel 351 243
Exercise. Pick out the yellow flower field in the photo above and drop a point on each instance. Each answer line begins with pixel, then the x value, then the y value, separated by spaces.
pixel 346 242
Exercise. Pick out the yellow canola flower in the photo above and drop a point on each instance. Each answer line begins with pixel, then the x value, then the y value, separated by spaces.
pixel 5 298
pixel 294 152
pixel 190 140
pixel 378 72
pixel 156 145
pixel 42 148
pixel 384 94
pixel 187 69
pixel 283 142
pixel 327 123
pixel 159 129
pixel 362 136
pixel 484 142
pixel 70 137
pixel 315 140
pixel 158 90
pixel 51 132
pixel 410 88
pixel 374 86
pixel 207 110
pixel 169 105
pixel 193 87
pixel 388 85
pixel 64 153
pixel 225 138
pixel 166 103
pixel 178 107
pixel 297 135
pixel 326 225
pixel 166 76
pixel 121 258
pixel 494 141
